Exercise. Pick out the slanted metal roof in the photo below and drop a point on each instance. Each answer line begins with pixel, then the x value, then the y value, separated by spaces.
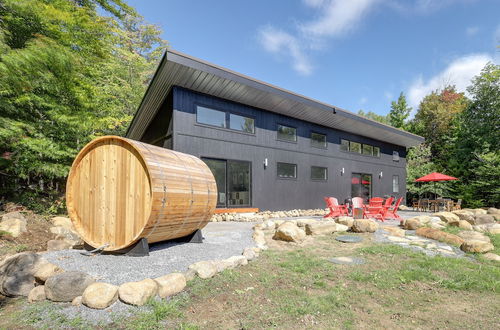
pixel 178 69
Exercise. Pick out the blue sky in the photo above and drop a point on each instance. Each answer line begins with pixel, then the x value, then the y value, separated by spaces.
pixel 354 54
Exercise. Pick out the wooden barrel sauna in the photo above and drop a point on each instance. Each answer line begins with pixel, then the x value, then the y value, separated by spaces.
pixel 120 191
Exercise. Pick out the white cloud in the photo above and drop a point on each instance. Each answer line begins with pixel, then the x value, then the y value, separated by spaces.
pixel 337 17
pixel 388 95
pixel 471 31
pixel 284 44
pixel 363 100
pixel 459 73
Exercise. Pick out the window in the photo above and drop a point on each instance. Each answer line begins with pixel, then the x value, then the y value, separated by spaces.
pixel 355 147
pixel 286 133
pixel 210 117
pixel 367 150
pixel 287 171
pixel 395 156
pixel 361 185
pixel 344 145
pixel 395 183
pixel 319 173
pixel 241 123
pixel 318 140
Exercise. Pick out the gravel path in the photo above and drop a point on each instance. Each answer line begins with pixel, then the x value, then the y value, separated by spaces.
pixel 222 240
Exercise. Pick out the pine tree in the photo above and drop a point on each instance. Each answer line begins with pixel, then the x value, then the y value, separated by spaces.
pixel 400 111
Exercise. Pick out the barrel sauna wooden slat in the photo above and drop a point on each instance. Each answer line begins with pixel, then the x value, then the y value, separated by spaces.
pixel 120 191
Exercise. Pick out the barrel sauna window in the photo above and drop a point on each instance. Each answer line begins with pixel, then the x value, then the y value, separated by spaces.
pixel 120 191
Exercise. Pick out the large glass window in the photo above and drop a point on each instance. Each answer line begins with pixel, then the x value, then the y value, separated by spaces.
pixel 361 185
pixel 395 183
pixel 218 168
pixel 318 140
pixel 287 133
pixel 319 173
pixel 210 116
pixel 367 150
pixel 241 123
pixel 287 171
pixel 376 151
pixel 233 180
pixel 355 147
pixel 344 145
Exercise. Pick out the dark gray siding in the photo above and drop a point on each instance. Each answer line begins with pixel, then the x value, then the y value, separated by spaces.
pixel 268 191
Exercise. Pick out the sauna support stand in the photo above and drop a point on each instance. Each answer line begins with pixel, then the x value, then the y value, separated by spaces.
pixel 139 249
pixel 195 237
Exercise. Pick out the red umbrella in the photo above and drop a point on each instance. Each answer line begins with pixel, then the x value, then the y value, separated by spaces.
pixel 435 176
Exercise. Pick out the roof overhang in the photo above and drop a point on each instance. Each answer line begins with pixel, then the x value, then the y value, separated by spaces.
pixel 178 69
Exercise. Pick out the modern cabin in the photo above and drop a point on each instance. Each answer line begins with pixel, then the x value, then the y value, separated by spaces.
pixel 267 147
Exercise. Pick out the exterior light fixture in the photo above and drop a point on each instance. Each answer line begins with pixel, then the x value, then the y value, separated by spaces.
pixel 265 163
pixel 342 171
pixel 380 175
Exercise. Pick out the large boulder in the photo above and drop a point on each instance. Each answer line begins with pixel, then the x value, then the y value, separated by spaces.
pixel 37 294
pixel 16 274
pixel 45 270
pixel 476 246
pixel 58 245
pixel 249 253
pixel 469 235
pixel 303 222
pixel 491 256
pixel 346 221
pixel 138 293
pixel 67 286
pixel 13 215
pixel 204 269
pixel 170 284
pixel 462 224
pixel 395 231
pixel 491 228
pixel 477 211
pixel 482 219
pixel 447 217
pixel 289 232
pixel 100 295
pixel 62 222
pixel 364 226
pixel 15 227
pixel 439 235
pixel 414 223
pixel 493 210
pixel 465 215
pixel 259 238
pixel 324 228
pixel 66 234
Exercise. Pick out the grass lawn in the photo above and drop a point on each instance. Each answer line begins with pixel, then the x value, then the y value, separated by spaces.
pixel 297 287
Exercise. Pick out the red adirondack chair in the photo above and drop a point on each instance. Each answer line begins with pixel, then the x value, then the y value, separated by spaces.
pixel 391 213
pixel 357 203
pixel 382 211
pixel 376 202
pixel 336 210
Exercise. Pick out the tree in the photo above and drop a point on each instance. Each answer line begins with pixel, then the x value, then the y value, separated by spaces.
pixel 400 111
pixel 67 75
pixel 373 116
pixel 437 120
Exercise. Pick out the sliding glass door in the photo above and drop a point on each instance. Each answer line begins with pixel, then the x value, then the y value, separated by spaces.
pixel 233 179
pixel 361 186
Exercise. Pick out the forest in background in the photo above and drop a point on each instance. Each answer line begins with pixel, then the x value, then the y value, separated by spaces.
pixel 73 70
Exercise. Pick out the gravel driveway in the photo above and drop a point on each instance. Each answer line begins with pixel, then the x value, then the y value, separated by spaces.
pixel 222 240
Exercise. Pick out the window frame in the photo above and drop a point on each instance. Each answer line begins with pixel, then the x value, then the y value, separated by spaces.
pixel 240 115
pixel 340 145
pixel 282 140
pixel 286 178
pixel 320 180
pixel 395 156
pixel 363 149
pixel 360 147
pixel 397 179
pixel 319 147
pixel 226 121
